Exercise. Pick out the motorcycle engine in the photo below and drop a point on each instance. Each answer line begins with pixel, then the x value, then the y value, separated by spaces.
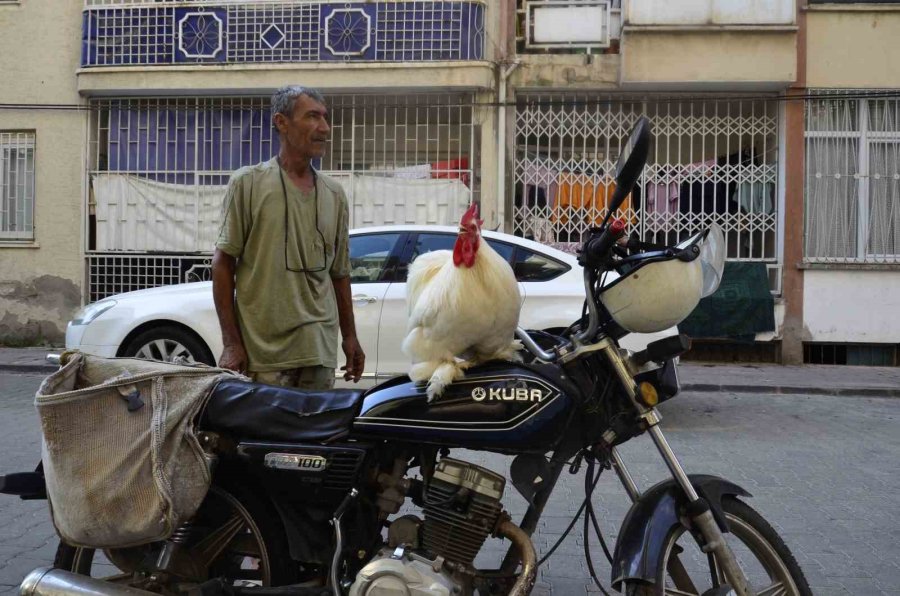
pixel 461 506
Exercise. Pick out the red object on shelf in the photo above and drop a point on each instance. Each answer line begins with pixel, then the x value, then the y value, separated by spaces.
pixel 453 168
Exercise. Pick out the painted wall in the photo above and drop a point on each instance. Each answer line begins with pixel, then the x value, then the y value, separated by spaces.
pixel 709 56
pixel 709 12
pixel 40 280
pixel 851 306
pixel 850 47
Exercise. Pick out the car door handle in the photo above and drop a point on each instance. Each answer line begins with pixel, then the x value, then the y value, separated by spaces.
pixel 361 299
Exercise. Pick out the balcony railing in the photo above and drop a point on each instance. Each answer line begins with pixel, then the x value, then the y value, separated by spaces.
pixel 138 32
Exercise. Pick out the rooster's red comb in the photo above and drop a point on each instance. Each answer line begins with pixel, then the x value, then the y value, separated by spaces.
pixel 470 217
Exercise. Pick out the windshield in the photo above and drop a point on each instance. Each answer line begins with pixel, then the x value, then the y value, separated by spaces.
pixel 712 259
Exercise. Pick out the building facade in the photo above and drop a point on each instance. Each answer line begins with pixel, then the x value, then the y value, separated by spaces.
pixel 41 180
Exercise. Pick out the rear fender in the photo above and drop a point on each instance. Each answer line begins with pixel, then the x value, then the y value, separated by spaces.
pixel 639 548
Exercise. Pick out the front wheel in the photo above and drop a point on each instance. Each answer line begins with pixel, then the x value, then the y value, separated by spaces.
pixel 760 551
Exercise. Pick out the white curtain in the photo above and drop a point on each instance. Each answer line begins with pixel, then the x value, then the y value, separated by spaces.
pixel 137 214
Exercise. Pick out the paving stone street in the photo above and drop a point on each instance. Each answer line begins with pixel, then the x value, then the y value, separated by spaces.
pixel 822 469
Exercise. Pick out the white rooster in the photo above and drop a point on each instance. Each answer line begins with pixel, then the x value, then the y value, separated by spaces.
pixel 463 308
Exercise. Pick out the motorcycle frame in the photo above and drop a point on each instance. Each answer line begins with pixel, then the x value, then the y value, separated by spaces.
pixel 701 514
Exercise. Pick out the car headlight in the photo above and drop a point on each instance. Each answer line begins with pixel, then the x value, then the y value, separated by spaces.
pixel 92 311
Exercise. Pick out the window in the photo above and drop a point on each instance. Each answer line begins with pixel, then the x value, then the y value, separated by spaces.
pixel 852 180
pixel 530 266
pixel 369 256
pixel 429 242
pixel 16 186
pixel 853 1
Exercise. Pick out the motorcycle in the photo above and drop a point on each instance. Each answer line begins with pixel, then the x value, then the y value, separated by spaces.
pixel 306 495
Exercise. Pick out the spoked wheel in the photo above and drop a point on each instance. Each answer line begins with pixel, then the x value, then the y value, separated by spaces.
pixel 167 343
pixel 762 554
pixel 230 537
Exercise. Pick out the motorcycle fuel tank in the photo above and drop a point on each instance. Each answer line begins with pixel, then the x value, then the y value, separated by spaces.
pixel 498 407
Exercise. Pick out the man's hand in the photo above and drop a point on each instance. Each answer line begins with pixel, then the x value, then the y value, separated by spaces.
pixel 234 357
pixel 356 359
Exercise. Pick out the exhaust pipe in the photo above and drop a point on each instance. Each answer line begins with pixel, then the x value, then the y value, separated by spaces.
pixel 47 581
pixel 523 542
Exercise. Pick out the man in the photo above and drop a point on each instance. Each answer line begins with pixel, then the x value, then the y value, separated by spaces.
pixel 281 267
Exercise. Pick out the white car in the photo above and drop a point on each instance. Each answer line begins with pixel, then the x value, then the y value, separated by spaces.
pixel 180 321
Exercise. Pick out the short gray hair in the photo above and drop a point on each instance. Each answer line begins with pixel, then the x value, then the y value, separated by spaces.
pixel 283 99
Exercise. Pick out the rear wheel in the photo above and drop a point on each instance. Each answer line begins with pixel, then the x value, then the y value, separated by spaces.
pixel 168 343
pixel 234 535
pixel 761 553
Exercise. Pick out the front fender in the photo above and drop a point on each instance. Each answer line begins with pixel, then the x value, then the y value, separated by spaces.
pixel 639 547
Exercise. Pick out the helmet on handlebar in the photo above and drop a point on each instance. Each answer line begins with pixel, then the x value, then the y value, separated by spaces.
pixel 660 292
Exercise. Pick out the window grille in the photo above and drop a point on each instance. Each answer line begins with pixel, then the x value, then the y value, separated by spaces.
pixel 16 185
pixel 710 162
pixel 852 180
pixel 158 167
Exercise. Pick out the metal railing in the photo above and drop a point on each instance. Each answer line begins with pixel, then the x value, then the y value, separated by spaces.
pixel 852 197
pixel 157 170
pixel 137 32
pixel 16 185
pixel 712 161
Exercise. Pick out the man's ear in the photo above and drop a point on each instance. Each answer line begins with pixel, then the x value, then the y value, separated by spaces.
pixel 279 122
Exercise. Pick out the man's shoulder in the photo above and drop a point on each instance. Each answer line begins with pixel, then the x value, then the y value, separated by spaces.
pixel 245 172
pixel 331 183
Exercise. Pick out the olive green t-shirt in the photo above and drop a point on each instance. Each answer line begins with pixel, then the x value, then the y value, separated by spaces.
pixel 288 249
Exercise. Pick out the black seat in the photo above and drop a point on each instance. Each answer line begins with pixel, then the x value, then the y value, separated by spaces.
pixel 268 413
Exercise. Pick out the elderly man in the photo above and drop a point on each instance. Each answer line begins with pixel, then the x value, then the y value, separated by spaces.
pixel 281 267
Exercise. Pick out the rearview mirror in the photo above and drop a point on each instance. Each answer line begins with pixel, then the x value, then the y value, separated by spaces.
pixel 633 156
pixel 630 164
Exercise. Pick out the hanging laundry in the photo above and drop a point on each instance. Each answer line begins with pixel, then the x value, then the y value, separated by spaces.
pixel 584 198
pixel 535 173
pixel 755 197
pixel 662 198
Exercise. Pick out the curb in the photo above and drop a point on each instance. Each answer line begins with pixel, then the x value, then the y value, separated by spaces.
pixel 793 390
pixel 43 369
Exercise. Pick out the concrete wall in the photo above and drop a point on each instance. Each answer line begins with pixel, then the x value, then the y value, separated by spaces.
pixel 704 57
pixel 853 47
pixel 709 12
pixel 40 281
pixel 851 306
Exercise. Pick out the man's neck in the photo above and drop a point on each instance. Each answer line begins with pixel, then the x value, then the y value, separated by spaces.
pixel 297 167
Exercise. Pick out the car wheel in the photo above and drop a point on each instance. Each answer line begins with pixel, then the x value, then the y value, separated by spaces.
pixel 168 344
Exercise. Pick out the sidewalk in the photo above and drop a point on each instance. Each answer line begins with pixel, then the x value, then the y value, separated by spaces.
pixel 864 381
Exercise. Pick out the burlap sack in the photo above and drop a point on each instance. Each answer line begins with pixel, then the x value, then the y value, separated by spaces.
pixel 121 459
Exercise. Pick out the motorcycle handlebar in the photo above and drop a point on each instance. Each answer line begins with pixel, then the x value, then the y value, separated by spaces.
pixel 532 346
pixel 597 247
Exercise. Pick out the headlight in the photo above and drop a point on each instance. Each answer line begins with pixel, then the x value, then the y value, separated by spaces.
pixel 92 311
pixel 712 258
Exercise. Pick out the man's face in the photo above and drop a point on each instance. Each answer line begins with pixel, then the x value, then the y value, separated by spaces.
pixel 305 132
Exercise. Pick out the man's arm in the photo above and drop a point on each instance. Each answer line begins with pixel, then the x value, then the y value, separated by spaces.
pixel 356 359
pixel 234 356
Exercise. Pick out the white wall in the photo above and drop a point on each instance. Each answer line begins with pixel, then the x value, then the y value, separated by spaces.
pixel 851 306
pixel 709 12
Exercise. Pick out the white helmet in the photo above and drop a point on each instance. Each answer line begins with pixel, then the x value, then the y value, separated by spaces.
pixel 659 294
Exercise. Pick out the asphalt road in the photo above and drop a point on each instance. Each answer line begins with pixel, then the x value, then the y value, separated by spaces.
pixel 822 470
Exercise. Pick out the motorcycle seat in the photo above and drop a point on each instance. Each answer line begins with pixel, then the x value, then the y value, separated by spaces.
pixel 270 413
